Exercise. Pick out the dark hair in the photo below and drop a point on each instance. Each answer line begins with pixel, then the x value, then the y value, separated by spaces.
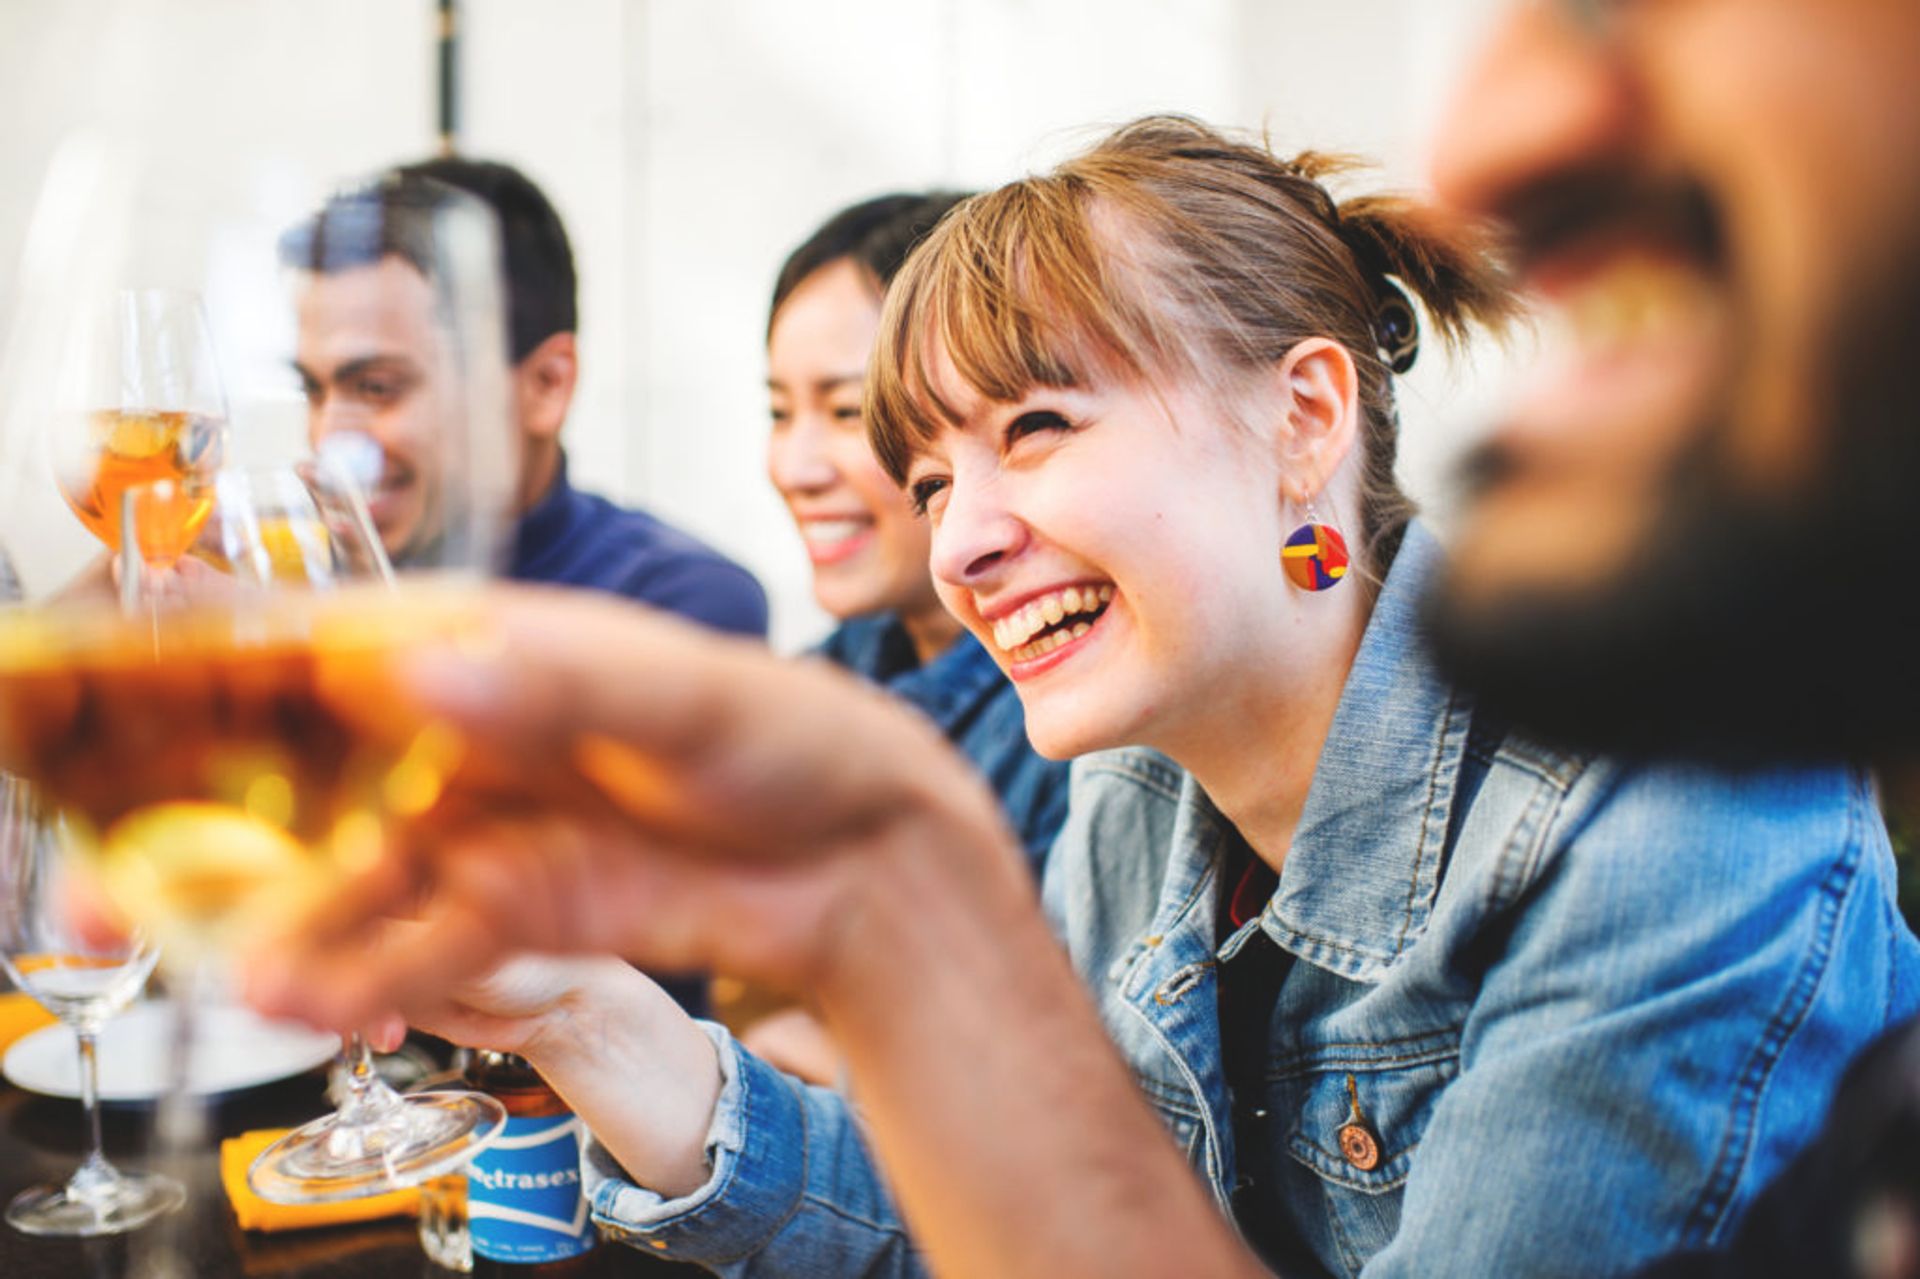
pixel 388 217
pixel 875 234
pixel 1173 249
pixel 391 217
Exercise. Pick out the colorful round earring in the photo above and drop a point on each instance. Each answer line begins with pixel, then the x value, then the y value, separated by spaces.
pixel 1314 555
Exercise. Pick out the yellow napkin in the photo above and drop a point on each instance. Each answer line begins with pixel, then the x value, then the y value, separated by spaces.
pixel 21 1015
pixel 237 1155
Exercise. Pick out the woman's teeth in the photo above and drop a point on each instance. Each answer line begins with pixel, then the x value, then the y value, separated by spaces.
pixel 1072 611
pixel 1050 641
pixel 829 532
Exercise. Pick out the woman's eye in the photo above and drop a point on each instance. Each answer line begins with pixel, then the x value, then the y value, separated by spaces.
pixel 1035 422
pixel 847 413
pixel 924 491
pixel 778 415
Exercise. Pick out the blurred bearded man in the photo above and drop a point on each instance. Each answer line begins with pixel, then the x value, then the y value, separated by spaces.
pixel 1698 533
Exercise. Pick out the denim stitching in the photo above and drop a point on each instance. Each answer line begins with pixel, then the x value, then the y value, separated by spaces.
pixel 1302 939
pixel 1350 1257
pixel 1558 769
pixel 845 1214
pixel 1867 792
pixel 1166 1096
pixel 1312 1064
pixel 1215 1173
pixel 1210 855
pixel 1521 852
pixel 1716 1196
pixel 1426 821
pixel 1306 941
pixel 1140 772
pixel 806 1150
pixel 1216 836
pixel 1165 925
pixel 1414 1037
pixel 1335 1161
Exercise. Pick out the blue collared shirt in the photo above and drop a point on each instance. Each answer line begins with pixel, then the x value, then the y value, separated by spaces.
pixel 963 691
pixel 571 538
pixel 1579 1011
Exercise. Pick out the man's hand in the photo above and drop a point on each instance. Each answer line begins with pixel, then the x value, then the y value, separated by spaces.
pixel 637 785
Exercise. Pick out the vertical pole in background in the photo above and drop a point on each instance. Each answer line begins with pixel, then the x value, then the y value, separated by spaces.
pixel 448 80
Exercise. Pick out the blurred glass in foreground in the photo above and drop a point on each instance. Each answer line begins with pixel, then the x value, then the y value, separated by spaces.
pixel 170 700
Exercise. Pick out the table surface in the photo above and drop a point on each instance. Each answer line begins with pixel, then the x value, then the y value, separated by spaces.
pixel 41 1141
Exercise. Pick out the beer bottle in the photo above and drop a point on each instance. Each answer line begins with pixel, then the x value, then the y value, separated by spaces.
pixel 525 1212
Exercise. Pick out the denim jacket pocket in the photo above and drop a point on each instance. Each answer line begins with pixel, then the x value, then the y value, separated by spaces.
pixel 1356 1128
pixel 1357 1125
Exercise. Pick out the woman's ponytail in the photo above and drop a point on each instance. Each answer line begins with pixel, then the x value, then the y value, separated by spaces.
pixel 1449 265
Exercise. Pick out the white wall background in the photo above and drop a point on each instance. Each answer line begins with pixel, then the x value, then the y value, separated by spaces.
pixel 690 143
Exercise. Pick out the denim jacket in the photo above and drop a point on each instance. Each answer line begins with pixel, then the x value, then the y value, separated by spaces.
pixel 1580 1010
pixel 964 692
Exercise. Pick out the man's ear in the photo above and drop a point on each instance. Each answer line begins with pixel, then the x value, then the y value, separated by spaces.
pixel 1319 391
pixel 543 386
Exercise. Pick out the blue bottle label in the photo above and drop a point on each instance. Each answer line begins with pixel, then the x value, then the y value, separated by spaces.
pixel 523 1194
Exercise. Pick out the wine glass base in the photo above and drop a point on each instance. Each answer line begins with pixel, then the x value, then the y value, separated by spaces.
pixel 129 1202
pixel 427 1135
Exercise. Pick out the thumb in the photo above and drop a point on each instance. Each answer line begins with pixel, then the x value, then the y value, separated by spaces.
pixel 386 1034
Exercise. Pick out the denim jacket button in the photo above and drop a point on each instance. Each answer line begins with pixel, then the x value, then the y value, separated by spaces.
pixel 1359 1147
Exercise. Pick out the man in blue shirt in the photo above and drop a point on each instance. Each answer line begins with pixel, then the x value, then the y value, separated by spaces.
pixel 366 359
pixel 370 360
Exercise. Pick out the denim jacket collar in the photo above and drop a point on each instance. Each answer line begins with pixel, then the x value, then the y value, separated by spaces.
pixel 1359 881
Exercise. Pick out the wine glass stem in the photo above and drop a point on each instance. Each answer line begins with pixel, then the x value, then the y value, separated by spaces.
pixel 366 1098
pixel 94 1174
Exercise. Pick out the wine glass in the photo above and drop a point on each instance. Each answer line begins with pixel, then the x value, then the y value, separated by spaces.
pixel 201 742
pixel 271 825
pixel 136 397
pixel 84 980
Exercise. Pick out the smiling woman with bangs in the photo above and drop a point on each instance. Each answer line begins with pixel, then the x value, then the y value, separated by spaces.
pixel 1414 993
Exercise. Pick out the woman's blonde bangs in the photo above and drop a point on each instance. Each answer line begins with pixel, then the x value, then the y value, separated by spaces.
pixel 1015 289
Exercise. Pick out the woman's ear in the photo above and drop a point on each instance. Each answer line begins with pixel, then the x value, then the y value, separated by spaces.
pixel 1319 392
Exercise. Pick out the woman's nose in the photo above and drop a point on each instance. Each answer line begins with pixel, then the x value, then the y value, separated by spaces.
pixel 976 536
pixel 797 459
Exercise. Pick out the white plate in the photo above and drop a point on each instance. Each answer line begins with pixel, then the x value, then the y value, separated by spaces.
pixel 234 1049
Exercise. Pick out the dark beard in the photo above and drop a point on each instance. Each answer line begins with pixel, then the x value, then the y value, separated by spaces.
pixel 1749 629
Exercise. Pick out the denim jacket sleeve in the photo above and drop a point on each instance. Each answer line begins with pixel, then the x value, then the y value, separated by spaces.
pixel 1658 1022
pixel 793 1191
